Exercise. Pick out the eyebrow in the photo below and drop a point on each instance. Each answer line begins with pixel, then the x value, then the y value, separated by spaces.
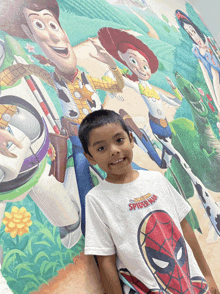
pixel 118 134
pixel 97 142
pixel 102 141
pixel 38 14
pixel 32 14
pixel 47 14
pixel 136 55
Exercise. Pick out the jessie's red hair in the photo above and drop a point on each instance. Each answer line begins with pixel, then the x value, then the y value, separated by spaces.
pixel 123 48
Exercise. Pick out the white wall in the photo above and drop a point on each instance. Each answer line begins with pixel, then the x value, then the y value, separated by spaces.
pixel 210 12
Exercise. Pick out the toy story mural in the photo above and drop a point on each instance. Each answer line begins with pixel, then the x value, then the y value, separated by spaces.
pixel 59 61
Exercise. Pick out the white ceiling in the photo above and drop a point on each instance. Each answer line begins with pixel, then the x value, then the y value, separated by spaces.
pixel 210 13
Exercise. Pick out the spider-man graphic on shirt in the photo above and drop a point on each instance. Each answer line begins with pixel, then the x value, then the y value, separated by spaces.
pixel 164 251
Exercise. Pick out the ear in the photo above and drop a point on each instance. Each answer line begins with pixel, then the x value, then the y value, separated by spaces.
pixel 121 55
pixel 89 158
pixel 28 32
pixel 131 138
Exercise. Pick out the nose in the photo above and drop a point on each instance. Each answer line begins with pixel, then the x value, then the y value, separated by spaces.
pixel 114 149
pixel 141 68
pixel 54 37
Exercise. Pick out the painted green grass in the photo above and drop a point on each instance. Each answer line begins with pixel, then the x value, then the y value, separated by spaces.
pixel 36 257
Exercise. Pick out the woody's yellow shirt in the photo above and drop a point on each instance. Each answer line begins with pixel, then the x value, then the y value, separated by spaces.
pixel 10 75
pixel 77 89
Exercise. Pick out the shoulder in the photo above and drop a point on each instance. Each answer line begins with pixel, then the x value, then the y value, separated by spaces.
pixel 151 175
pixel 195 50
pixel 96 191
pixel 129 83
pixel 40 73
pixel 96 200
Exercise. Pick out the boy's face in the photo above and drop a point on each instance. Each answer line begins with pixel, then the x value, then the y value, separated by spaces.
pixel 44 29
pixel 111 148
pixel 137 63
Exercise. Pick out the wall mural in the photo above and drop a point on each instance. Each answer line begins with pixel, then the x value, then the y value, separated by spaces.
pixel 55 60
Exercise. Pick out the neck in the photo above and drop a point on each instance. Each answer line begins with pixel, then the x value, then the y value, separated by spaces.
pixel 124 178
pixel 68 75
pixel 143 81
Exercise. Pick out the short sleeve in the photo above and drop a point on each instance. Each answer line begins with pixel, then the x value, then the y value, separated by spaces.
pixel 212 61
pixel 98 240
pixel 181 206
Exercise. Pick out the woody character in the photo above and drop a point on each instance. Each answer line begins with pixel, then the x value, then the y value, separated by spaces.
pixel 38 20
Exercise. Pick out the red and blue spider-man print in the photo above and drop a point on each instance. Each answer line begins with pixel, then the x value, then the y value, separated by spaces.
pixel 164 251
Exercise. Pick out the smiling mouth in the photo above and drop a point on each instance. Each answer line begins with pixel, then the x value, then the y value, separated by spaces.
pixel 118 161
pixel 60 50
pixel 141 73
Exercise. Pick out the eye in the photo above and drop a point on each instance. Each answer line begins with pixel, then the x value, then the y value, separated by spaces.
pixel 101 148
pixel 132 60
pixel 146 67
pixel 160 263
pixel 39 24
pixel 119 140
pixel 192 87
pixel 53 25
pixel 179 254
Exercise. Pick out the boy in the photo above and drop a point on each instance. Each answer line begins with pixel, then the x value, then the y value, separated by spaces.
pixel 135 220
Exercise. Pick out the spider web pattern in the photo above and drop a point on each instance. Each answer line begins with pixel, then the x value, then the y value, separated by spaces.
pixel 164 251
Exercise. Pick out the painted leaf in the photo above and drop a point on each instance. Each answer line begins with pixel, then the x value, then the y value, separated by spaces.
pixel 39 255
pixel 48 233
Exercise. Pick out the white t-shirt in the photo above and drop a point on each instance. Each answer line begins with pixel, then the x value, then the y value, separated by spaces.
pixel 140 223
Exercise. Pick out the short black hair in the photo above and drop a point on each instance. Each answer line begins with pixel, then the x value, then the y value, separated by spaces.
pixel 95 120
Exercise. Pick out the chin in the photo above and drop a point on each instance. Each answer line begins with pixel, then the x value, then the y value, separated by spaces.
pixel 146 78
pixel 68 68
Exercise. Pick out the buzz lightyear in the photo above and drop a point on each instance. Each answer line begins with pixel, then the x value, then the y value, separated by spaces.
pixel 24 142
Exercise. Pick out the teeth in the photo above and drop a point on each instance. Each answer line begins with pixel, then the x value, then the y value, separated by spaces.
pixel 141 73
pixel 120 160
pixel 58 48
pixel 61 50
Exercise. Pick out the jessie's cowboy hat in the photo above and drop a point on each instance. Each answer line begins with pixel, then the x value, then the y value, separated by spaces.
pixel 111 38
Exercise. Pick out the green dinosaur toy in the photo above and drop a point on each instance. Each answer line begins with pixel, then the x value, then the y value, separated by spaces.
pixel 196 141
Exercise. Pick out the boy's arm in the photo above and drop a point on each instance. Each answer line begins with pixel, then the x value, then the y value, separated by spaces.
pixel 109 275
pixel 193 243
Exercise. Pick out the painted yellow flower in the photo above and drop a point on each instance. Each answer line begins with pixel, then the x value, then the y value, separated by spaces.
pixel 17 222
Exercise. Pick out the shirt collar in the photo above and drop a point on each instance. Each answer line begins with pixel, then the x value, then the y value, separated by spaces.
pixel 69 78
pixel 145 83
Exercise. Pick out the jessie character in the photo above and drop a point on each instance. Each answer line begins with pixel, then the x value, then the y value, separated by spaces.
pixel 142 62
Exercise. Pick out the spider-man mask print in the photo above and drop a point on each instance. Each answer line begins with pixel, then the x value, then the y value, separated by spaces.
pixel 164 251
